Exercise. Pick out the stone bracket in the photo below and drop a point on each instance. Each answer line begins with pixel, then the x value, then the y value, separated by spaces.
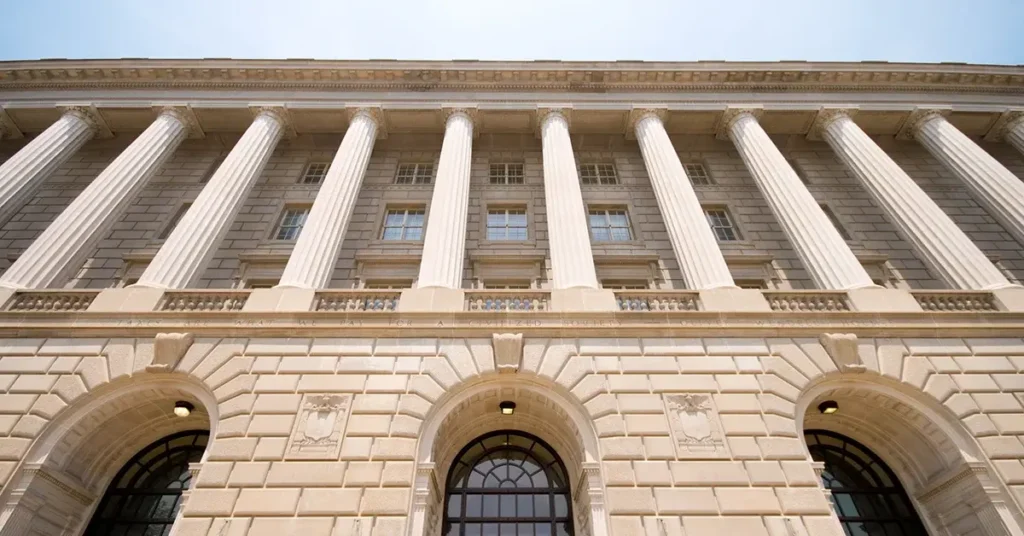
pixel 508 351
pixel 842 348
pixel 168 349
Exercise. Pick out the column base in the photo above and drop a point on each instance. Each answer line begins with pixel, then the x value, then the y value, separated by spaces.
pixel 127 300
pixel 883 300
pixel 734 300
pixel 583 299
pixel 280 299
pixel 1010 298
pixel 432 299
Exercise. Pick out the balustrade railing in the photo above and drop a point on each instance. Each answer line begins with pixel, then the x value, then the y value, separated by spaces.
pixel 658 300
pixel 356 300
pixel 204 300
pixel 507 300
pixel 56 300
pixel 807 300
pixel 954 301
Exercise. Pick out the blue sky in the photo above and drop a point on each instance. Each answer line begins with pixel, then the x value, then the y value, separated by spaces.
pixel 975 31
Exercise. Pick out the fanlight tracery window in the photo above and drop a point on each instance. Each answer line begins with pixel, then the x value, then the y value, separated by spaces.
pixel 145 496
pixel 507 483
pixel 866 494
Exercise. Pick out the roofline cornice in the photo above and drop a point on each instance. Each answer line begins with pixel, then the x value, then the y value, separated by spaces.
pixel 511 75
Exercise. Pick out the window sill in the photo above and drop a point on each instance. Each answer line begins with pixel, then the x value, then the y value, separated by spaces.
pixel 395 243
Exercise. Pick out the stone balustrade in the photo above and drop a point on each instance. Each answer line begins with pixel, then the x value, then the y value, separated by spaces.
pixel 56 300
pixel 204 300
pixel 507 300
pixel 807 300
pixel 356 300
pixel 954 301
pixel 658 300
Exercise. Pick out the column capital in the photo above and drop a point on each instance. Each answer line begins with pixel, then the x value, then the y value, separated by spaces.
pixel 826 116
pixel 8 129
pixel 546 110
pixel 908 130
pixel 88 113
pixel 374 113
pixel 1010 118
pixel 731 114
pixel 278 112
pixel 470 112
pixel 185 114
pixel 642 112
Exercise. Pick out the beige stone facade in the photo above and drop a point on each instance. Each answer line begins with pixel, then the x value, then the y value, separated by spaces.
pixel 676 393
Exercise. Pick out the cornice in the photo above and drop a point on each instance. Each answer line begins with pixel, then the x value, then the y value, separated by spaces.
pixel 531 324
pixel 511 76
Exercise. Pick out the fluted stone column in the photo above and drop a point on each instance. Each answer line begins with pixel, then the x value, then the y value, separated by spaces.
pixel 824 253
pixel 573 276
pixel 444 240
pixel 990 183
pixel 1015 132
pixel 316 251
pixel 189 247
pixel 697 252
pixel 23 174
pixel 936 238
pixel 572 259
pixel 62 247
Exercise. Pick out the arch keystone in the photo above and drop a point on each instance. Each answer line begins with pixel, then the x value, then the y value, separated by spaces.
pixel 508 351
pixel 168 349
pixel 842 348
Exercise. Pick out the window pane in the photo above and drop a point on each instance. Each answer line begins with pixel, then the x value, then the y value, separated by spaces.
pixel 414 233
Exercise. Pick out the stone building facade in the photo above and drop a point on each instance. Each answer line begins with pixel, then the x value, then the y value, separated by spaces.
pixel 486 298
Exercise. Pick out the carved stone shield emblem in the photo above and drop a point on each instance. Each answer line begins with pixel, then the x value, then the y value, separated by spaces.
pixel 695 426
pixel 319 428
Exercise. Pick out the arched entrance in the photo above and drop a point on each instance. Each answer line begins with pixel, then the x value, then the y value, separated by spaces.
pixel 145 496
pixel 507 483
pixel 866 495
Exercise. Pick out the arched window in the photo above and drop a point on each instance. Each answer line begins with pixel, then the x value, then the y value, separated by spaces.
pixel 144 497
pixel 866 495
pixel 507 484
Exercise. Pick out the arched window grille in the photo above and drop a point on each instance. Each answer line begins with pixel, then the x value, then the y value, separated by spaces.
pixel 144 497
pixel 507 483
pixel 866 495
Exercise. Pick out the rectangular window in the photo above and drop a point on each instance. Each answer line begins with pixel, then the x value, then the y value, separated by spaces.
pixel 174 221
pixel 835 221
pixel 211 170
pixel 414 174
pixel 798 170
pixel 507 174
pixel 624 284
pixel 388 284
pixel 610 225
pixel 506 223
pixel 697 174
pixel 291 223
pixel 598 174
pixel 260 283
pixel 507 285
pixel 721 224
pixel 403 224
pixel 315 172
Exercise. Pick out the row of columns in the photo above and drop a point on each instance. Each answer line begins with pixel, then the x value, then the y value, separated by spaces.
pixel 946 249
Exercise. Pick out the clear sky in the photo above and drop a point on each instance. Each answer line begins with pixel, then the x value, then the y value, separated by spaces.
pixel 975 31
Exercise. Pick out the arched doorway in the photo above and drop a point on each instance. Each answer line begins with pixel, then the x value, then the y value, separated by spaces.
pixel 146 494
pixel 507 483
pixel 866 495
